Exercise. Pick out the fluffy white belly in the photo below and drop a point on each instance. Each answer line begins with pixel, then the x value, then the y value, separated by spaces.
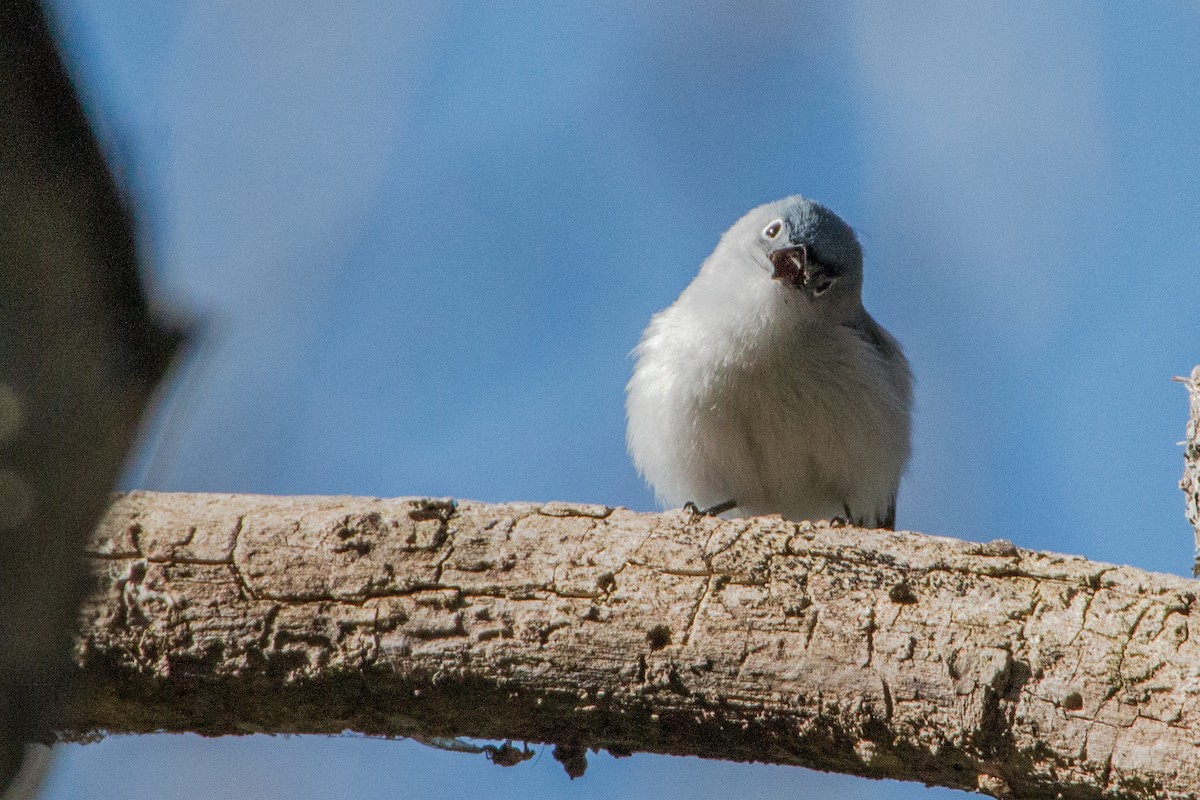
pixel 797 427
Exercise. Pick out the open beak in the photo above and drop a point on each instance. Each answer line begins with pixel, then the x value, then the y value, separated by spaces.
pixel 791 265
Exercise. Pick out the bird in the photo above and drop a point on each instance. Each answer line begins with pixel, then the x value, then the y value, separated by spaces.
pixel 766 387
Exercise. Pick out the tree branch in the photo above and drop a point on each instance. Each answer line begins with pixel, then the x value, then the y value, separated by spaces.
pixel 976 666
pixel 1190 483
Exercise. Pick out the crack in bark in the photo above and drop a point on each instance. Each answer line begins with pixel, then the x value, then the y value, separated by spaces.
pixel 888 704
pixel 440 565
pixel 869 630
pixel 238 577
pixel 1127 639
pixel 705 589
pixel 810 627
pixel 735 540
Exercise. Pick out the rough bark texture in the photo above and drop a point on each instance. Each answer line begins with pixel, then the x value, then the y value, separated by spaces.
pixel 1190 483
pixel 977 666
pixel 80 355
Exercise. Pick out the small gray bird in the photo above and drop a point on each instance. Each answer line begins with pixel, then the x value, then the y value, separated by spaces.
pixel 767 388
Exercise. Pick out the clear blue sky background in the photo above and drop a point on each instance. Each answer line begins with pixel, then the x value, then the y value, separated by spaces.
pixel 425 236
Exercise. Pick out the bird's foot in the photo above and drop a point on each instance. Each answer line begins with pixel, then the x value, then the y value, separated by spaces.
pixel 712 511
pixel 844 520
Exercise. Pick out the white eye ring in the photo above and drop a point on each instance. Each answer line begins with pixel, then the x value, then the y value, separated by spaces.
pixel 823 286
pixel 772 230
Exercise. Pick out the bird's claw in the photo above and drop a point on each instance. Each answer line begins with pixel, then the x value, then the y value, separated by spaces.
pixel 711 511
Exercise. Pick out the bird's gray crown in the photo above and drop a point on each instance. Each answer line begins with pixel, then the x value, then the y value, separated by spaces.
pixel 827 234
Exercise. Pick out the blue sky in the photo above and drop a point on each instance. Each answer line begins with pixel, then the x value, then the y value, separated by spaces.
pixel 422 238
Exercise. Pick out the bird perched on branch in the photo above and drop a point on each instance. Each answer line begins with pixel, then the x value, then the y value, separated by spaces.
pixel 766 387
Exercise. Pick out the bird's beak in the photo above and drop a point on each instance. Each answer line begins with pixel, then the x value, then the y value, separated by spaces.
pixel 791 265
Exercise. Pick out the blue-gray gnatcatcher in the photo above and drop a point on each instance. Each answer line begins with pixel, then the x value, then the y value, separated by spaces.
pixel 767 388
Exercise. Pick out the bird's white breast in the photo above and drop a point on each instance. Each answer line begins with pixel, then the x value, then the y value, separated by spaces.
pixel 739 394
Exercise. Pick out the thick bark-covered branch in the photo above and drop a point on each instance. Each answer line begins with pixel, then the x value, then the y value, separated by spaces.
pixel 869 652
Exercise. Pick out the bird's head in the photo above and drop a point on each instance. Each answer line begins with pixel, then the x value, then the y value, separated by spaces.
pixel 805 248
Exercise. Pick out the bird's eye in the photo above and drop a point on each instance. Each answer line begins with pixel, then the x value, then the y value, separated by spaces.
pixel 772 230
pixel 822 286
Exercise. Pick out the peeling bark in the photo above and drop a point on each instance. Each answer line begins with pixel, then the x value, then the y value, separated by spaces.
pixel 898 655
